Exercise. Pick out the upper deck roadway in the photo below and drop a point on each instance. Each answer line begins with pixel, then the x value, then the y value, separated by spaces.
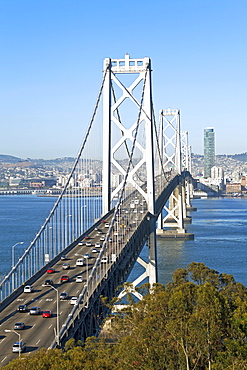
pixel 40 332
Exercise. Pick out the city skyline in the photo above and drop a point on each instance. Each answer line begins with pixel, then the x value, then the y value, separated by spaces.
pixel 52 60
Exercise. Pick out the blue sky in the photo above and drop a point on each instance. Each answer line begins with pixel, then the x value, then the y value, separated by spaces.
pixel 51 62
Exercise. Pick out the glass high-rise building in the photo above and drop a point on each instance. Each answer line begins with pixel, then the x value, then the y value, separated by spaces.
pixel 209 151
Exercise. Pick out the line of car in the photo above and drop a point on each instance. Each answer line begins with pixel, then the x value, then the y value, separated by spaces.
pixel 48 282
pixel 20 346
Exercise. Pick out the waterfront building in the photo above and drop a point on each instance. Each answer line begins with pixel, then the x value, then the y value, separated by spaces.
pixel 217 172
pixel 237 176
pixel 233 187
pixel 209 151
pixel 15 181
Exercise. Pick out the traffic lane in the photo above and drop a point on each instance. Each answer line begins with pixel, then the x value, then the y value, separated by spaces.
pixel 32 334
pixel 31 337
pixel 39 331
pixel 55 277
pixel 45 298
pixel 40 297
pixel 45 333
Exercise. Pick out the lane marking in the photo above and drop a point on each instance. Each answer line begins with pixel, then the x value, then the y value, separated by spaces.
pixel 50 326
pixel 33 326
pixel 4 359
pixel 38 341
pixel 3 339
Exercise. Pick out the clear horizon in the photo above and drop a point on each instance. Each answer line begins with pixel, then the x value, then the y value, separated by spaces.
pixel 62 157
pixel 52 57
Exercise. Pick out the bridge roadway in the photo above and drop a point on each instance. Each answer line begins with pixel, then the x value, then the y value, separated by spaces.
pixel 40 332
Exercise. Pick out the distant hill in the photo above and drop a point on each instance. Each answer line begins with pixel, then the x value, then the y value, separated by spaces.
pixel 67 162
pixel 10 159
pixel 239 157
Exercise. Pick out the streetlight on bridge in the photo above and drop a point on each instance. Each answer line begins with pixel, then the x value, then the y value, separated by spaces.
pixel 13 263
pixel 19 335
pixel 57 331
pixel 13 251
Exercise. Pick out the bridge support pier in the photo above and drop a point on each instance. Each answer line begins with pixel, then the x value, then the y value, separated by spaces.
pixel 186 200
pixel 172 226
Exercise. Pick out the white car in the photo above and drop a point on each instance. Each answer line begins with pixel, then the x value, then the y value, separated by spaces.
pixel 95 250
pixel 80 262
pixel 28 289
pixel 73 300
pixel 87 255
pixel 79 279
pixel 104 259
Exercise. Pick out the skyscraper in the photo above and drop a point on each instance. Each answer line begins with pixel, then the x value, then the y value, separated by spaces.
pixel 209 151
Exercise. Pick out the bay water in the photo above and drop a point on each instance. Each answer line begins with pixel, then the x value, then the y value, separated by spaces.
pixel 219 226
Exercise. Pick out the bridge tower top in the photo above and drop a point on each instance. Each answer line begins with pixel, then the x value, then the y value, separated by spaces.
pixel 186 151
pixel 170 139
pixel 128 129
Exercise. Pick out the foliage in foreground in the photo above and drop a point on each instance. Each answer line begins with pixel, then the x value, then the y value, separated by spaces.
pixel 197 322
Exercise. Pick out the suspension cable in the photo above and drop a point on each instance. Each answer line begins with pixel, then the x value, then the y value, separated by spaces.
pixel 65 186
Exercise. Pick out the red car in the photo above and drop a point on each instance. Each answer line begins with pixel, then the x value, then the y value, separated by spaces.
pixel 64 279
pixel 87 237
pixel 50 270
pixel 46 314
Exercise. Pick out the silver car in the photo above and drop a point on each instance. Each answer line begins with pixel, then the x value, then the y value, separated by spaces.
pixel 79 279
pixel 34 311
pixel 63 296
pixel 19 326
pixel 18 347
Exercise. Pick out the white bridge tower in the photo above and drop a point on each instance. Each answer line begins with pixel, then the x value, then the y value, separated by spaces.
pixel 128 138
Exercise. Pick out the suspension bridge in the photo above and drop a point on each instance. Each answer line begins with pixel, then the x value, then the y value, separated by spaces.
pixel 130 182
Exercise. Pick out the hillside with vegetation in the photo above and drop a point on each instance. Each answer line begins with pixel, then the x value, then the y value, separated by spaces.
pixel 196 322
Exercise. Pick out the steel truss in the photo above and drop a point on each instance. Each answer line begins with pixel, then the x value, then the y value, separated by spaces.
pixel 186 166
pixel 170 142
pixel 115 69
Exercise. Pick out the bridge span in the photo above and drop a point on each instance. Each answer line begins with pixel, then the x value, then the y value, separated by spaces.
pixel 145 184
